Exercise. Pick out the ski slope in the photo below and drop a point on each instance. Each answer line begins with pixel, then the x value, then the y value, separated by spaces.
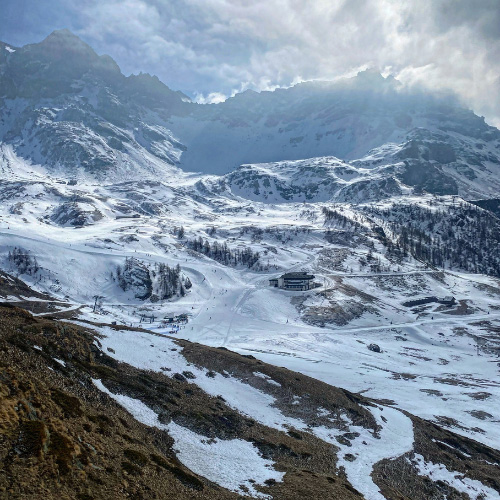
pixel 438 364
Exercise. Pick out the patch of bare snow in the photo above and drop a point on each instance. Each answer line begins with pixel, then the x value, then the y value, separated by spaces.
pixel 438 472
pixel 267 378
pixel 393 440
pixel 229 463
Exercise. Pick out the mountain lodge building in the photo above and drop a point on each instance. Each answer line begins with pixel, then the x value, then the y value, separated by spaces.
pixel 293 281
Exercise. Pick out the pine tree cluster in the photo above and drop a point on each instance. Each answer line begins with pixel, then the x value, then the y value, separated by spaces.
pixel 223 254
pixel 334 217
pixel 23 261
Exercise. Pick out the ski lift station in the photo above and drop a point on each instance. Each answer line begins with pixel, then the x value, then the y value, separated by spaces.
pixel 293 281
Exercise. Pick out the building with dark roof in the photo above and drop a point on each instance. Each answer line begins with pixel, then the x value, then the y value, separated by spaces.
pixel 293 281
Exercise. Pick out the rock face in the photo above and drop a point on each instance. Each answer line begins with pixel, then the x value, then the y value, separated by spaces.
pixel 71 110
pixel 135 276
pixel 427 177
pixel 75 214
pixel 155 282
pixel 65 106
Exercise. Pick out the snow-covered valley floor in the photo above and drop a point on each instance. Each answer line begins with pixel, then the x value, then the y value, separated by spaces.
pixel 432 365
pixel 438 363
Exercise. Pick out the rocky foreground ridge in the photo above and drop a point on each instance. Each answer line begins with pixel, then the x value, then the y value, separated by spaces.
pixel 62 437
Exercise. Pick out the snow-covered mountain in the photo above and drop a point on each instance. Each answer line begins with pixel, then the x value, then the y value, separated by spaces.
pixel 345 119
pixel 122 201
pixel 63 106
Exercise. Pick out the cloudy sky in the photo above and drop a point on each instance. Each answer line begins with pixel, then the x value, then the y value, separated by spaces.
pixel 210 49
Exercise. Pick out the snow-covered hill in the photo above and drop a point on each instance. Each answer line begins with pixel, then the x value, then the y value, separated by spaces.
pixel 142 414
pixel 359 182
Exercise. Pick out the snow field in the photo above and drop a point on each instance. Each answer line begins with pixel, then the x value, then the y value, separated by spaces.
pixel 394 439
pixel 237 309
pixel 230 463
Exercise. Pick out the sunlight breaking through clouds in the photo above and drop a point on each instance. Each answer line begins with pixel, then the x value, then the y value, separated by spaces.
pixel 211 49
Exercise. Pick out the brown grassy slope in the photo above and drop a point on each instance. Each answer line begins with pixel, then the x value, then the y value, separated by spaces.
pixel 61 438
pixel 9 285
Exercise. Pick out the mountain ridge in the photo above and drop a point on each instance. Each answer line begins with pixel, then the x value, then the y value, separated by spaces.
pixel 346 118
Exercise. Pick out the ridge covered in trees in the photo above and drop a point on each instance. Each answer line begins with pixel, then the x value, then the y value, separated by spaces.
pixel 460 235
pixel 223 254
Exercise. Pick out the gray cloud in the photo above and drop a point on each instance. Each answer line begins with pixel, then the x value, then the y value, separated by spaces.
pixel 212 48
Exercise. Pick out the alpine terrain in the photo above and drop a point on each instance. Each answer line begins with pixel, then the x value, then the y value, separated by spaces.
pixel 144 351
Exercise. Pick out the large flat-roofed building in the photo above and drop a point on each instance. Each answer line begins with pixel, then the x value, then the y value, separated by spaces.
pixel 293 281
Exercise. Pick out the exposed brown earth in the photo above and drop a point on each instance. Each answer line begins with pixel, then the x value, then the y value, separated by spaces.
pixel 62 438
pixel 15 291
pixel 354 304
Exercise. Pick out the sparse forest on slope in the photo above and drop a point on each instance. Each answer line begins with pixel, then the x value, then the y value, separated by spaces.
pixel 223 254
pixel 453 235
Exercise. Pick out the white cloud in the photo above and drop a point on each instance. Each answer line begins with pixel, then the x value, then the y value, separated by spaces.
pixel 212 98
pixel 209 48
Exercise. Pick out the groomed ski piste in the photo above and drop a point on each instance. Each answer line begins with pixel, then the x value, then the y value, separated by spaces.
pixel 439 365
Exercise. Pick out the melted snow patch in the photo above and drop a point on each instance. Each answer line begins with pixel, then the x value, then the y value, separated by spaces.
pixel 231 463
pixel 267 378
pixel 393 440
pixel 438 472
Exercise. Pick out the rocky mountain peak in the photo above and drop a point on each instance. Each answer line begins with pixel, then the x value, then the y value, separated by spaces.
pixel 63 44
pixel 65 37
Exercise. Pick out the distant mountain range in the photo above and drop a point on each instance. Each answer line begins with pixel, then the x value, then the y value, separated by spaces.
pixel 66 108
